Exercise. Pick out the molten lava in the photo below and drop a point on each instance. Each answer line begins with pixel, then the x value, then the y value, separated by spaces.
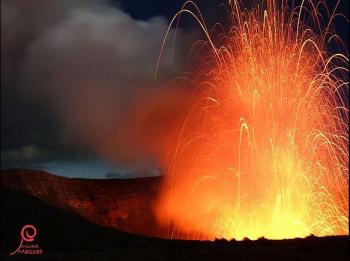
pixel 263 152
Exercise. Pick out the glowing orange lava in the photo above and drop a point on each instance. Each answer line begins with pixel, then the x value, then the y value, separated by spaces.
pixel 263 152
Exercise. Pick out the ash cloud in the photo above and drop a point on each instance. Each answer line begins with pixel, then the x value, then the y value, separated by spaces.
pixel 91 66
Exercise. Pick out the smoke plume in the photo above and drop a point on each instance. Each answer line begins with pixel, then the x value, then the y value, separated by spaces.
pixel 93 65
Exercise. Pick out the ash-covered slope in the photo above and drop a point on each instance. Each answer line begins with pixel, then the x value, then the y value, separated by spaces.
pixel 125 204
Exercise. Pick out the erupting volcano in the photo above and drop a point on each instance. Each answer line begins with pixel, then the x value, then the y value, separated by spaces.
pixel 263 151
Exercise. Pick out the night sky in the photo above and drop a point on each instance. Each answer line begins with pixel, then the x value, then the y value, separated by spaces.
pixel 54 51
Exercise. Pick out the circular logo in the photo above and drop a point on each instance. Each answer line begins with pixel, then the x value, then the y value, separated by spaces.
pixel 28 233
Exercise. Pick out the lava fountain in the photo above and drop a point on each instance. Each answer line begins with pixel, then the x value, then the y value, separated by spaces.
pixel 263 150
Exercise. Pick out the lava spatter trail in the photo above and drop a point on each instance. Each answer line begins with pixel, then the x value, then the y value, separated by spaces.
pixel 263 151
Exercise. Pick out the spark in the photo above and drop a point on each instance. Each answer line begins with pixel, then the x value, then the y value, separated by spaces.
pixel 263 152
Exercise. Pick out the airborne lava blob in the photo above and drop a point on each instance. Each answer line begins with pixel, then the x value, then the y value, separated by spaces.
pixel 263 152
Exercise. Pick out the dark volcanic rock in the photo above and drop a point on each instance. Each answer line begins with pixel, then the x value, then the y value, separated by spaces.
pixel 66 236
pixel 125 204
pixel 56 207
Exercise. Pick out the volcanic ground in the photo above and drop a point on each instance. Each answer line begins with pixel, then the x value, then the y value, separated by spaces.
pixel 81 219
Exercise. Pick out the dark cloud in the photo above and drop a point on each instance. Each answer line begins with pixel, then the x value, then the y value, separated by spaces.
pixel 146 172
pixel 71 72
pixel 24 155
